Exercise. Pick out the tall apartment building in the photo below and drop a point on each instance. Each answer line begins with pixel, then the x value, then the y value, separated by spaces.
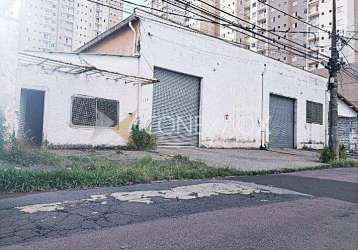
pixel 234 11
pixel 320 14
pixel 187 14
pixel 270 23
pixel 278 26
pixel 288 30
pixel 64 25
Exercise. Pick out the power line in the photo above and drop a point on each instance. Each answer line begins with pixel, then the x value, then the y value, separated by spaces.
pixel 227 13
pixel 350 75
pixel 285 46
pixel 171 13
pixel 302 54
pixel 294 17
pixel 109 6
pixel 346 43
pixel 138 5
pixel 355 51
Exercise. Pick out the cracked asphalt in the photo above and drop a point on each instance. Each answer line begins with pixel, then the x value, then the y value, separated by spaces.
pixel 326 220
pixel 86 215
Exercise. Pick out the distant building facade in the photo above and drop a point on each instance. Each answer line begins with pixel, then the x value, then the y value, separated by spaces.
pixel 320 14
pixel 64 25
pixel 281 27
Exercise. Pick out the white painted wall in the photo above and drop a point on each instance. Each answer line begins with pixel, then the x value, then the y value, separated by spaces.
pixel 344 110
pixel 59 88
pixel 9 42
pixel 231 85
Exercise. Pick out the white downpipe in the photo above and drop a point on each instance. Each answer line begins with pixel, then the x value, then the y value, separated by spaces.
pixel 134 52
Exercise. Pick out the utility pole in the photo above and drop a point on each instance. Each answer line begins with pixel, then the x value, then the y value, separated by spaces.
pixel 333 67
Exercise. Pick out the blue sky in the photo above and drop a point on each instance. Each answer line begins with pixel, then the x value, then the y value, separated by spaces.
pixel 130 7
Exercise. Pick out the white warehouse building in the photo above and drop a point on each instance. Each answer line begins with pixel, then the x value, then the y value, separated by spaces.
pixel 210 93
pixel 213 93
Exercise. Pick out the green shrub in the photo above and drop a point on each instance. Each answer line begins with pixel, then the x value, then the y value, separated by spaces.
pixel 140 139
pixel 342 152
pixel 326 155
pixel 344 163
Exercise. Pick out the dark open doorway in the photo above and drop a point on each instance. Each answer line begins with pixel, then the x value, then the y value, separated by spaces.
pixel 32 112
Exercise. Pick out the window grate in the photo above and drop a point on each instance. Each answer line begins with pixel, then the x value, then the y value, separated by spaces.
pixel 314 112
pixel 94 112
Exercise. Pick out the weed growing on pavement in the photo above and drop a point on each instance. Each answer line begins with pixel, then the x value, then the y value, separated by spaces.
pixel 19 152
pixel 140 139
pixel 344 163
pixel 90 172
pixel 326 154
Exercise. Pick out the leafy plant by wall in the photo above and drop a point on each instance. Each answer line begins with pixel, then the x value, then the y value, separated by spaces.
pixel 342 152
pixel 327 155
pixel 140 139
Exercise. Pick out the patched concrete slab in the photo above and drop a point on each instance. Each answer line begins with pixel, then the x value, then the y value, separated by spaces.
pixel 58 214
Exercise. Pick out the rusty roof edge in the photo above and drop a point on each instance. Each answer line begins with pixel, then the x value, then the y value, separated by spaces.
pixel 348 102
pixel 106 34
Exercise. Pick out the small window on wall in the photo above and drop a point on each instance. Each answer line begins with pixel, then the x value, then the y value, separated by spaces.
pixel 314 112
pixel 94 112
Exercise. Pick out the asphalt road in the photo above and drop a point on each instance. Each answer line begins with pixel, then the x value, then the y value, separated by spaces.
pixel 249 217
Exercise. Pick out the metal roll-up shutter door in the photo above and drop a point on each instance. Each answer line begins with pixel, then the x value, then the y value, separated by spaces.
pixel 176 102
pixel 281 122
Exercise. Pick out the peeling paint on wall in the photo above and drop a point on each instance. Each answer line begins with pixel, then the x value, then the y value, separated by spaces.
pixel 124 126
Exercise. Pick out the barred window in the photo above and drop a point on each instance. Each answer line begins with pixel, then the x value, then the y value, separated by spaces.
pixel 94 112
pixel 314 112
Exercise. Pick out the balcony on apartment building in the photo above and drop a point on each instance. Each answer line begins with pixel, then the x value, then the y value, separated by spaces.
pixel 261 6
pixel 313 11
pixel 261 16
pixel 247 5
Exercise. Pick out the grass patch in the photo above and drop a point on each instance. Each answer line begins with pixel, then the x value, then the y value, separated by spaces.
pixel 88 172
pixel 344 163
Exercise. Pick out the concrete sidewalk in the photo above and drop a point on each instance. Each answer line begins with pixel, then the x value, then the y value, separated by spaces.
pixel 248 159
pixel 243 159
